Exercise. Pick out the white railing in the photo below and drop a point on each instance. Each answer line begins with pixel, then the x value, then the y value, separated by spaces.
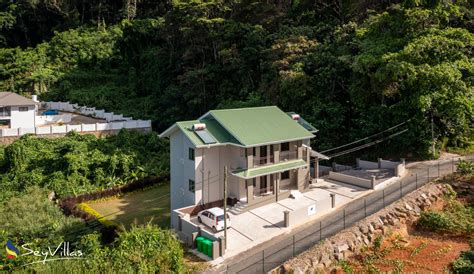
pixel 44 130
pixel 84 110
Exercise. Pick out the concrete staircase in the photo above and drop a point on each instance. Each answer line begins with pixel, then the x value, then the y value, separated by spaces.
pixel 238 208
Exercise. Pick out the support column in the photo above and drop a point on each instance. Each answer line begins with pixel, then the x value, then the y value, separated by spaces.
pixel 276 153
pixel 299 149
pixel 316 168
pixel 249 190
pixel 277 185
pixel 249 157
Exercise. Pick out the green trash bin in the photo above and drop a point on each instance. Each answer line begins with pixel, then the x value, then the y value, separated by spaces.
pixel 207 247
pixel 199 241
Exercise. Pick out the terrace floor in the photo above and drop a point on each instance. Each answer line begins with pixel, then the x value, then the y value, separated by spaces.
pixel 261 224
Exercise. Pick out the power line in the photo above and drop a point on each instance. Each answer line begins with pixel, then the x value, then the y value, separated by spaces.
pixel 366 138
pixel 367 145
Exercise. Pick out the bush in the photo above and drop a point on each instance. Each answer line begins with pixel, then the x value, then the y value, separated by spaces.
pixel 434 221
pixel 89 210
pixel 465 167
pixel 465 263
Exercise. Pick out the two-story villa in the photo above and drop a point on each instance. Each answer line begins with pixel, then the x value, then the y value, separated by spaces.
pixel 267 153
pixel 16 111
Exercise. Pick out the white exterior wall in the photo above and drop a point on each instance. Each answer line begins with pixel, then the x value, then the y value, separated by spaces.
pixel 210 163
pixel 182 169
pixel 23 119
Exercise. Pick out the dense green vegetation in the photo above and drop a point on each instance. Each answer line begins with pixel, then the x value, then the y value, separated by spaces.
pixel 455 218
pixel 79 164
pixel 465 263
pixel 32 219
pixel 351 68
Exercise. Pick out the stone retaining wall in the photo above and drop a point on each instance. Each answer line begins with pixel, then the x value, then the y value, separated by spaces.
pixel 322 257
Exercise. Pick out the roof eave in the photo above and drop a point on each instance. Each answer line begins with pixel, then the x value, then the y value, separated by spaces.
pixel 168 131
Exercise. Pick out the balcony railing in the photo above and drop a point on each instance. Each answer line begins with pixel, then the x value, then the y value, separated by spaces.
pixel 261 161
pixel 288 155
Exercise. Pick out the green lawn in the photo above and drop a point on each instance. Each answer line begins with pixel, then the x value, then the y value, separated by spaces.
pixel 138 207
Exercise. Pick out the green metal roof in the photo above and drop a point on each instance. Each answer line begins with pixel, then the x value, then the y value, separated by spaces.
pixel 246 127
pixel 260 125
pixel 304 123
pixel 270 169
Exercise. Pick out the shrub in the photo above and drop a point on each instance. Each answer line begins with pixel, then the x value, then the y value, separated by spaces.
pixel 465 263
pixel 465 167
pixel 89 210
pixel 434 221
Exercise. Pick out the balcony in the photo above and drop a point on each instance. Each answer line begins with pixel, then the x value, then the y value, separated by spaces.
pixel 288 155
pixel 262 161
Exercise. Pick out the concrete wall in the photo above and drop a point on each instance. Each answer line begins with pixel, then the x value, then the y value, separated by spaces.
pixel 350 179
pixel 303 214
pixel 388 164
pixel 22 119
pixel 89 128
pixel 41 120
pixel 367 164
pixel 9 135
pixel 400 170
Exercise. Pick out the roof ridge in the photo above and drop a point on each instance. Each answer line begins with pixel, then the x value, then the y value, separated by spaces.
pixel 228 109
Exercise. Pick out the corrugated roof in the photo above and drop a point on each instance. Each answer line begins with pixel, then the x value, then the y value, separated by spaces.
pixel 265 170
pixel 304 123
pixel 260 125
pixel 245 127
pixel 13 99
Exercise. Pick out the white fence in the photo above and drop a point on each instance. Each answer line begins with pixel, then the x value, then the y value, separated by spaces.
pixel 89 111
pixel 133 124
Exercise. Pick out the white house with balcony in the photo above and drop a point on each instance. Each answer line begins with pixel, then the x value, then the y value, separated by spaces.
pixel 267 153
pixel 17 111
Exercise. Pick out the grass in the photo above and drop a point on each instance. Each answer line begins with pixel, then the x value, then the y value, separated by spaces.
pixel 139 207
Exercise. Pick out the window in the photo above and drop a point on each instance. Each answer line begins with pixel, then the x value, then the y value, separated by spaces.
pixel 285 175
pixel 191 154
pixel 192 186
pixel 23 109
pixel 285 146
pixel 4 111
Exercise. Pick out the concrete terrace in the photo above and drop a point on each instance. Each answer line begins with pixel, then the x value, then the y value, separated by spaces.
pixel 261 224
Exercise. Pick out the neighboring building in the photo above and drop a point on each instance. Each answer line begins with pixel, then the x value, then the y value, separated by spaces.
pixel 16 111
pixel 266 150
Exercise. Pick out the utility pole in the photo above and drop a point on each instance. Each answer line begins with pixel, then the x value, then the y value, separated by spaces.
pixel 225 205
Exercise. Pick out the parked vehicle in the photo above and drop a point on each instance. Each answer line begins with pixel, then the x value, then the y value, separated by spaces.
pixel 213 218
